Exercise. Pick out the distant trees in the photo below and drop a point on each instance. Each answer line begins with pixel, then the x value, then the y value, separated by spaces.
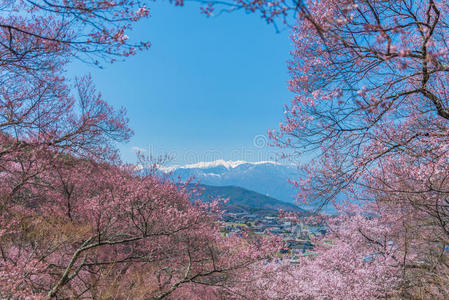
pixel 75 222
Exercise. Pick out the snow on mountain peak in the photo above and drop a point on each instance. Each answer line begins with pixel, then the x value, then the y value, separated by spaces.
pixel 229 164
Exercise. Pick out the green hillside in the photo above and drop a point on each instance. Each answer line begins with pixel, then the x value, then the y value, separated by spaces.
pixel 241 199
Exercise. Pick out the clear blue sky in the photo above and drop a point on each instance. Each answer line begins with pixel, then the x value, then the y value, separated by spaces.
pixel 206 88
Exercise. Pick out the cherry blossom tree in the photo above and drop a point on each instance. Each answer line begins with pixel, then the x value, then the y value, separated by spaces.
pixel 383 256
pixel 371 109
pixel 75 222
pixel 371 104
pixel 37 35
pixel 99 231
pixel 367 77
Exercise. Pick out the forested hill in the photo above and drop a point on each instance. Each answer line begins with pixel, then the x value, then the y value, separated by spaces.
pixel 243 200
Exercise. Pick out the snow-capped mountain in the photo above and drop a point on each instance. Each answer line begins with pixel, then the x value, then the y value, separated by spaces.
pixel 265 177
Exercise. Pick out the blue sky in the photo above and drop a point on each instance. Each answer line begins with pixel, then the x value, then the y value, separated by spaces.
pixel 206 89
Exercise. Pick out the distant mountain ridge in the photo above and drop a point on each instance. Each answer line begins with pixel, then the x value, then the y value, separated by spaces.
pixel 243 200
pixel 217 163
pixel 265 177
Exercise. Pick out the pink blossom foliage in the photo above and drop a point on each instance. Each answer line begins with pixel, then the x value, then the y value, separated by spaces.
pixel 99 231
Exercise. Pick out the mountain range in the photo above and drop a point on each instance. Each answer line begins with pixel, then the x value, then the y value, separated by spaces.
pixel 265 177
